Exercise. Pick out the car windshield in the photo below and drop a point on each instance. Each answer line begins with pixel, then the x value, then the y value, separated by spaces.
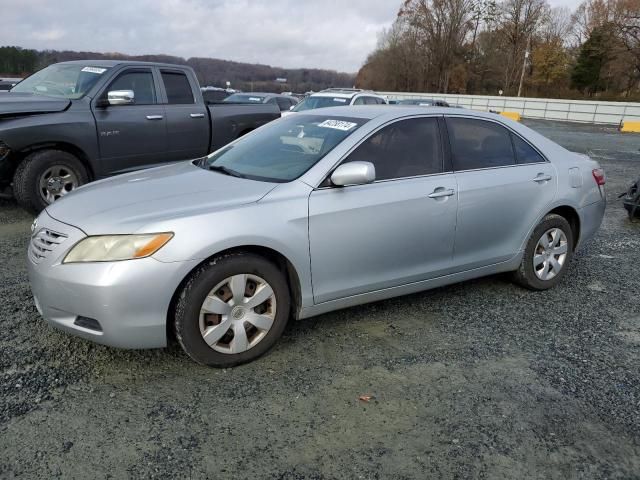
pixel 66 81
pixel 311 103
pixel 283 150
pixel 244 98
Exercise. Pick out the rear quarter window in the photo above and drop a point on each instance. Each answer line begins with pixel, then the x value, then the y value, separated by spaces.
pixel 525 153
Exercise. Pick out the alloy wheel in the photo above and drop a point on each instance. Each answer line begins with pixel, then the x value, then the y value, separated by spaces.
pixel 56 182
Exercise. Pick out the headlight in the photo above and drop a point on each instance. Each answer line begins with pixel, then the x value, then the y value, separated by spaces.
pixel 111 248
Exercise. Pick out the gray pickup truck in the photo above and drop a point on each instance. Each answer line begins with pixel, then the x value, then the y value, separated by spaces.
pixel 75 122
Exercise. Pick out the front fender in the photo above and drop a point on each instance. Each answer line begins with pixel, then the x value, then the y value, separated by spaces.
pixel 74 127
pixel 278 222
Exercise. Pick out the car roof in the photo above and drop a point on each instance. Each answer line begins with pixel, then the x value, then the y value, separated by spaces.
pixel 346 93
pixel 396 111
pixel 115 63
pixel 263 94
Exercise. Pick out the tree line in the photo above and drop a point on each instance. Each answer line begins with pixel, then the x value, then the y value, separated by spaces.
pixel 16 61
pixel 510 46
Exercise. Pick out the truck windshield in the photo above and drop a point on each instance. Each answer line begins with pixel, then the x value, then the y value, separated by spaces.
pixel 244 98
pixel 311 103
pixel 282 150
pixel 66 81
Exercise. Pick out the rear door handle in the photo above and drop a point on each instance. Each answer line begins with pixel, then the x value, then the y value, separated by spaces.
pixel 542 178
pixel 441 192
pixel 197 115
pixel 154 117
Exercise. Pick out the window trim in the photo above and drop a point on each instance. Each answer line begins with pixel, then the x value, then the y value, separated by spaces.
pixel 506 127
pixel 156 92
pixel 444 152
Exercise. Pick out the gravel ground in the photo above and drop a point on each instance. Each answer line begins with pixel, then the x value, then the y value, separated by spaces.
pixel 477 380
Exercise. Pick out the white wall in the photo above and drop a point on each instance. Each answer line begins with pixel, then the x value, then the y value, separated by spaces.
pixel 547 108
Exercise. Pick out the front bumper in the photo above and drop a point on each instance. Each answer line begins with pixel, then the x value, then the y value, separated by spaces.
pixel 129 299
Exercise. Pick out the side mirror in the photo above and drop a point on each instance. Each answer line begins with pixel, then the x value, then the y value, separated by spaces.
pixel 121 97
pixel 353 173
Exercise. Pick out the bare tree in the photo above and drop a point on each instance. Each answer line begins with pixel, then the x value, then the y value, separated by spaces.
pixel 442 27
pixel 519 21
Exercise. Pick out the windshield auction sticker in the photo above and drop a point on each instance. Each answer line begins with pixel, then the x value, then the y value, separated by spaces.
pixel 338 125
pixel 97 70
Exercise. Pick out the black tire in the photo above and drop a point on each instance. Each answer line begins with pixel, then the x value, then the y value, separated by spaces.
pixel 198 286
pixel 26 179
pixel 526 275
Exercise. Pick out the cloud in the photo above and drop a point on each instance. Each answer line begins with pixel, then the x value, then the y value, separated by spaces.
pixel 288 33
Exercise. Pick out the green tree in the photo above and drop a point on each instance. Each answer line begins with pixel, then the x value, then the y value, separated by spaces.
pixel 595 53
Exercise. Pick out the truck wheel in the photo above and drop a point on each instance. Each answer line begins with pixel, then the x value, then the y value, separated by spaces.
pixel 46 175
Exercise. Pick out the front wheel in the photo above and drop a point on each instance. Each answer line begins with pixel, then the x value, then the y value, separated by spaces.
pixel 232 310
pixel 547 254
pixel 45 176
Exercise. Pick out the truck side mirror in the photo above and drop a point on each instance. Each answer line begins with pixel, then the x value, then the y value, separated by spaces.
pixel 120 97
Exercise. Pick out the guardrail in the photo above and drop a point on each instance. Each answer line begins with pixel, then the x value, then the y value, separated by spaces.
pixel 546 108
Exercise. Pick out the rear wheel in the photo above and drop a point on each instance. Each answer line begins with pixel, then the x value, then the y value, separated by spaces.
pixel 46 176
pixel 232 310
pixel 547 254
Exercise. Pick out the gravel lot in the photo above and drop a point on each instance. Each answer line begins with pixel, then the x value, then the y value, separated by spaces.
pixel 477 380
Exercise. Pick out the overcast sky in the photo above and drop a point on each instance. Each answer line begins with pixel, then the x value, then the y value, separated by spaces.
pixel 331 34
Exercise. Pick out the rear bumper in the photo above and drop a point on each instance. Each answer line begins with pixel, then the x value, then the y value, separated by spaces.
pixel 590 219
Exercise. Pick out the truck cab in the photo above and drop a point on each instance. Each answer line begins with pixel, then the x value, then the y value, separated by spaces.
pixel 79 121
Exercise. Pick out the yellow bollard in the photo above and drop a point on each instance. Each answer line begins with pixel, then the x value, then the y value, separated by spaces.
pixel 515 116
pixel 630 127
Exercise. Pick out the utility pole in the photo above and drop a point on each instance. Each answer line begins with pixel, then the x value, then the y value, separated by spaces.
pixel 524 65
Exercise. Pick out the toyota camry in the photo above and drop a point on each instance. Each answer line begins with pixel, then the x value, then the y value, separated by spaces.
pixel 315 212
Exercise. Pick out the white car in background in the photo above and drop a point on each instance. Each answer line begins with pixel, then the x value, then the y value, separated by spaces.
pixel 338 97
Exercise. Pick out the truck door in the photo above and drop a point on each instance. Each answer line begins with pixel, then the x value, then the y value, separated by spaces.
pixel 135 135
pixel 188 124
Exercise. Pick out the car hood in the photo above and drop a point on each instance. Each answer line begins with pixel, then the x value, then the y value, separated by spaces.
pixel 26 103
pixel 127 203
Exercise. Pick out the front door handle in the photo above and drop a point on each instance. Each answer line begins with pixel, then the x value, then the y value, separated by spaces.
pixel 197 115
pixel 442 192
pixel 154 117
pixel 542 178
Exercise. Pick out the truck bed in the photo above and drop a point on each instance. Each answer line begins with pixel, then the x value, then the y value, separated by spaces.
pixel 231 120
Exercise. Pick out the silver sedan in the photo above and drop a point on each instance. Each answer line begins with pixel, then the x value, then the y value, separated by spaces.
pixel 314 212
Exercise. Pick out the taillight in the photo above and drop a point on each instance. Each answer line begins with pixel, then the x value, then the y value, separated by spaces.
pixel 598 176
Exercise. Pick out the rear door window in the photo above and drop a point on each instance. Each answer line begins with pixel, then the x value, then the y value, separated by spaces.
pixel 178 88
pixel 479 144
pixel 406 148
